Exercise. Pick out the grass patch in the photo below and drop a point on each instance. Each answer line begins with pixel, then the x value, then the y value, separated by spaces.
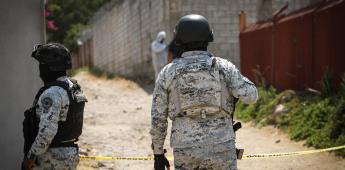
pixel 94 71
pixel 79 70
pixel 317 119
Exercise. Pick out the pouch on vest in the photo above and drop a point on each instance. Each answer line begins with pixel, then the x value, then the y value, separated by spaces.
pixel 72 127
pixel 198 88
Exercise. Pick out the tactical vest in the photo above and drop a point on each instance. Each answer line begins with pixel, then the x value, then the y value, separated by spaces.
pixel 69 130
pixel 199 89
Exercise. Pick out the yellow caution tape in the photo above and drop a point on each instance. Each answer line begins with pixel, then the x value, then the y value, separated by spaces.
pixel 105 158
pixel 250 156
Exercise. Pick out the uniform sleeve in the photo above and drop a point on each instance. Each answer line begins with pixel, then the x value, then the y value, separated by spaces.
pixel 159 114
pixel 49 107
pixel 240 86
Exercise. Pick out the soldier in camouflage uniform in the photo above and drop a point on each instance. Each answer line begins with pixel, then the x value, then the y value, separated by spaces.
pixel 196 91
pixel 54 123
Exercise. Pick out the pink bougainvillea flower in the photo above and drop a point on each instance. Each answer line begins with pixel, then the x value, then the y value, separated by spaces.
pixel 46 13
pixel 51 25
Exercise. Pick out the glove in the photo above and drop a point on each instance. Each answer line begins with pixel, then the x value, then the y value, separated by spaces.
pixel 28 164
pixel 239 153
pixel 161 162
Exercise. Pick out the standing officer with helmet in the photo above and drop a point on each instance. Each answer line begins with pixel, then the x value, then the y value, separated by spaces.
pixel 54 123
pixel 197 92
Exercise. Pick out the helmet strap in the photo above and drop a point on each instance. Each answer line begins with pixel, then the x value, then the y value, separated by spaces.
pixel 195 46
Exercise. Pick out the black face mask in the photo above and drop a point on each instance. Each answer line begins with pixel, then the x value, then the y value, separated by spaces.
pixel 49 76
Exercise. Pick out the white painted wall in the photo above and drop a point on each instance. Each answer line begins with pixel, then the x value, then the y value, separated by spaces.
pixel 21 26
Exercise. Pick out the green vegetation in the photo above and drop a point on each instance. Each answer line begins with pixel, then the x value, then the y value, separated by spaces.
pixel 326 83
pixel 317 119
pixel 70 18
pixel 94 71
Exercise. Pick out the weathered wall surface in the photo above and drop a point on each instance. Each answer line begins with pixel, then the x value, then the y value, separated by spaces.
pixel 123 33
pixel 124 30
pixel 21 27
pixel 295 51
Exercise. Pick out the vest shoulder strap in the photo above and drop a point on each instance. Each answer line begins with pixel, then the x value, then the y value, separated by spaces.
pixel 61 84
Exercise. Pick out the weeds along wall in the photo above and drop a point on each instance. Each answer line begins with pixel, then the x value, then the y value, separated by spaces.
pixel 123 30
pixel 318 120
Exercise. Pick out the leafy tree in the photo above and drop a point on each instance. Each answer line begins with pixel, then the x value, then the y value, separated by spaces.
pixel 67 18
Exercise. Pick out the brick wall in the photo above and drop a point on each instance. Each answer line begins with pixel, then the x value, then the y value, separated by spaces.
pixel 124 29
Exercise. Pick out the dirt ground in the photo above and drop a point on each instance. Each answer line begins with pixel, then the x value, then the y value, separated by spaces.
pixel 117 123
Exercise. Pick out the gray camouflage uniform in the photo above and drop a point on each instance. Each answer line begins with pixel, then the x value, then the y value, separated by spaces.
pixel 52 107
pixel 196 92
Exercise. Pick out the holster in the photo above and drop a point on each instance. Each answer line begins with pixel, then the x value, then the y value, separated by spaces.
pixel 236 126
pixel 239 153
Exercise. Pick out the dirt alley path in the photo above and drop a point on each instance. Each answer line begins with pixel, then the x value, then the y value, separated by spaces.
pixel 117 123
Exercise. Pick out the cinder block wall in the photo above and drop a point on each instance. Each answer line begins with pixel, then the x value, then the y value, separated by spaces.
pixel 124 30
pixel 122 35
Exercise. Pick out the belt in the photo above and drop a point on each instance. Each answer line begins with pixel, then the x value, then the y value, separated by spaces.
pixel 202 114
pixel 69 143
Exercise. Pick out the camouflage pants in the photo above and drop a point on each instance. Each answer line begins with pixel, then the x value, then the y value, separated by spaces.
pixel 62 158
pixel 213 157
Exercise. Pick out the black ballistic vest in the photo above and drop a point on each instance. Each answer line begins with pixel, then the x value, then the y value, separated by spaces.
pixel 68 130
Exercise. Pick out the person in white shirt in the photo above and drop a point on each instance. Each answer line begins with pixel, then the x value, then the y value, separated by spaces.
pixel 159 53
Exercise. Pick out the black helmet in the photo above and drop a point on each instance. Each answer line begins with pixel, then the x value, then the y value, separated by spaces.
pixel 56 56
pixel 193 28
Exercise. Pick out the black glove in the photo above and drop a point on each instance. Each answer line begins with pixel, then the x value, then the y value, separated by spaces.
pixel 161 162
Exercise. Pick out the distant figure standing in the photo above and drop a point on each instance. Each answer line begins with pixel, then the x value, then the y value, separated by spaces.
pixel 159 53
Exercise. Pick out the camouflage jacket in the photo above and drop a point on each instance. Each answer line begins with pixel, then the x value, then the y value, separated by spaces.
pixel 52 107
pixel 191 131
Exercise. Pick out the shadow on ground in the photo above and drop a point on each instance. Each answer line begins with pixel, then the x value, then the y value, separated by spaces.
pixel 144 82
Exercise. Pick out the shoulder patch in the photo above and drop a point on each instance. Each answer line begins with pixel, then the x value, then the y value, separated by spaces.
pixel 47 102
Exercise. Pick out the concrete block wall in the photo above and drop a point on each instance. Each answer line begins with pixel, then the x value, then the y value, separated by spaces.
pixel 122 34
pixel 223 18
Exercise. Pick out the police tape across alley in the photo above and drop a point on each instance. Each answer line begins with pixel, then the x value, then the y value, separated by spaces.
pixel 250 156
